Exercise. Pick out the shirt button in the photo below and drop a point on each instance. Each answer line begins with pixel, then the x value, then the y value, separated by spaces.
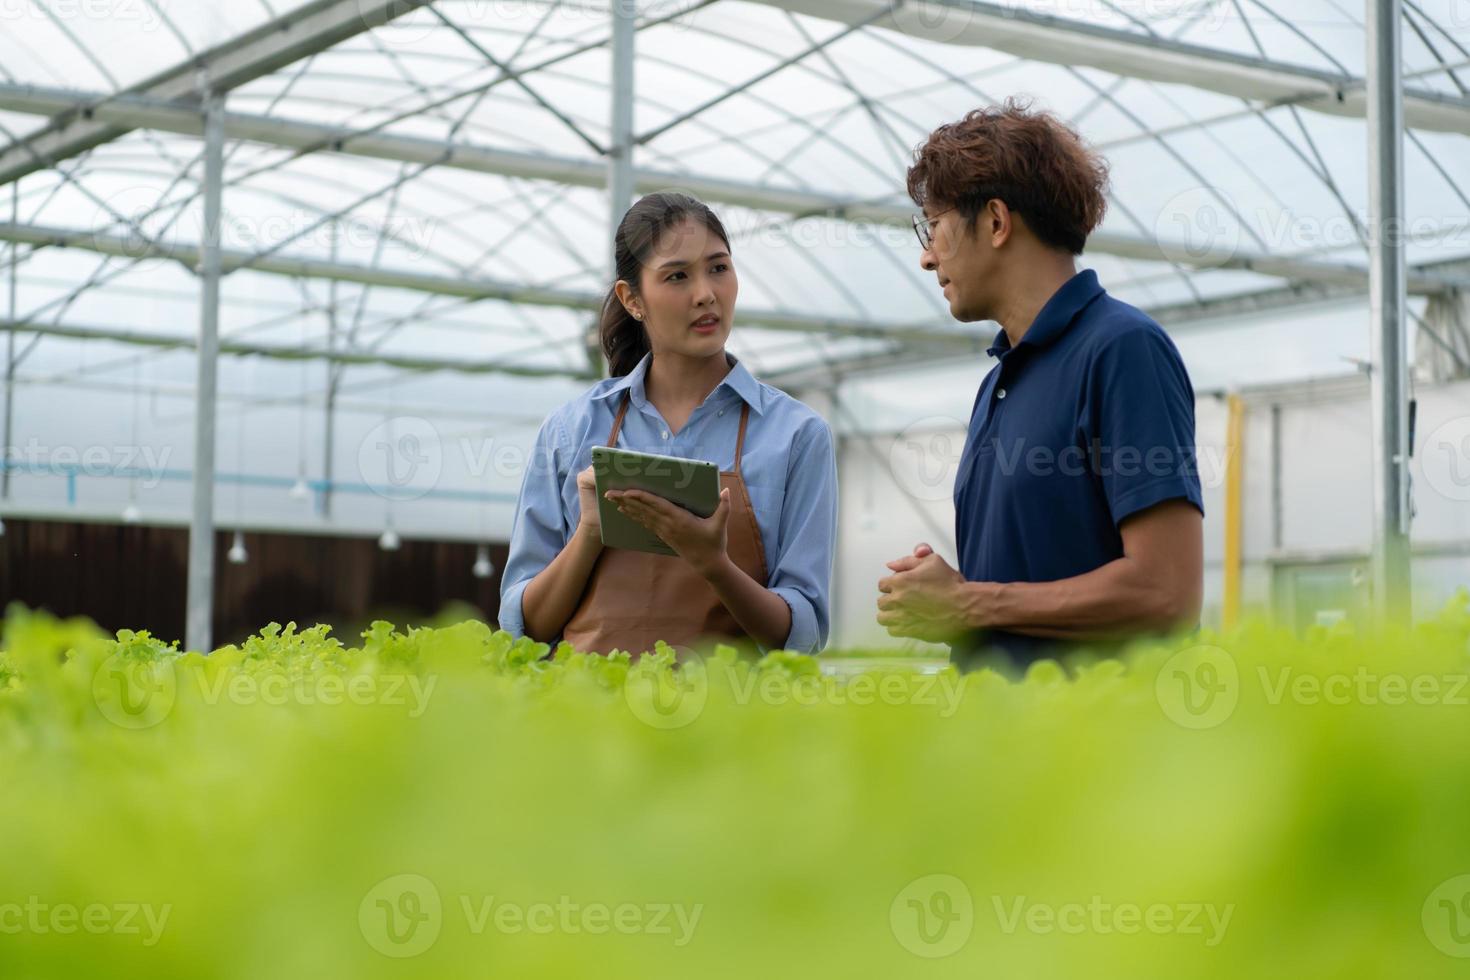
pixel 1000 393
pixel 721 412
pixel 666 433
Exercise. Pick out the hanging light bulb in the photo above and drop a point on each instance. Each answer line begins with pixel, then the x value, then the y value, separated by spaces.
pixel 389 540
pixel 236 554
pixel 484 567
pixel 131 514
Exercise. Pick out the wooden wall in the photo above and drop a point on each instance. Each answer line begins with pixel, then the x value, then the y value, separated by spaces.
pixel 133 577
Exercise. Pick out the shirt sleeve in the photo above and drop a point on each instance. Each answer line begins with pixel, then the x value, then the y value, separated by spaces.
pixel 1143 437
pixel 802 574
pixel 539 531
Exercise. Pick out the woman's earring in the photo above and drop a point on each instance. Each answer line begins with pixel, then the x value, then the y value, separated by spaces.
pixel 638 316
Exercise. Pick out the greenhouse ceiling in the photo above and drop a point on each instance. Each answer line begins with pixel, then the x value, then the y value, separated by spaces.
pixel 444 166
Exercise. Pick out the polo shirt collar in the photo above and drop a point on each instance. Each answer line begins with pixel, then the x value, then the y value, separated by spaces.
pixel 1057 315
pixel 739 380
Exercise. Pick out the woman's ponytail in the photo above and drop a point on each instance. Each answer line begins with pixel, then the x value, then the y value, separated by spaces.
pixel 624 341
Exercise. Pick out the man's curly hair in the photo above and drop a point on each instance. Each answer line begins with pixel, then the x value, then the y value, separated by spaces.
pixel 1031 160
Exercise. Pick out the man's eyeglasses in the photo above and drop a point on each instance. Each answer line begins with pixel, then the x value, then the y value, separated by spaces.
pixel 924 228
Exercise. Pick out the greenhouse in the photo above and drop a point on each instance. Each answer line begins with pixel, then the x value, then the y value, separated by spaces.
pixel 297 292
pixel 415 225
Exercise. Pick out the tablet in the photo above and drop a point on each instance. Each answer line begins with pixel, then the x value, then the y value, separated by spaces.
pixel 691 483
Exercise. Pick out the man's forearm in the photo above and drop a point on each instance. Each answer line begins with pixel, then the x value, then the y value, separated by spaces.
pixel 1114 600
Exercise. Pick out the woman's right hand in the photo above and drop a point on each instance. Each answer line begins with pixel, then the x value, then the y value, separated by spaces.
pixel 587 492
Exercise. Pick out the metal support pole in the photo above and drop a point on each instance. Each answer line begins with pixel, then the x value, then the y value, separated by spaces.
pixel 334 385
pixel 620 147
pixel 201 526
pixel 329 439
pixel 1389 303
pixel 1278 466
pixel 10 342
pixel 1234 506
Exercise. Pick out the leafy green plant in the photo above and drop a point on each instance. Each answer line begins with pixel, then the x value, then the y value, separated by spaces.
pixel 455 802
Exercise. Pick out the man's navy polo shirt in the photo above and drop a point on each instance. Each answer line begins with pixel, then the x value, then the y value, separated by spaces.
pixel 1089 419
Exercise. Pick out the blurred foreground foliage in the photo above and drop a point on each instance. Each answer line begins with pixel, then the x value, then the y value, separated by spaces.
pixel 450 802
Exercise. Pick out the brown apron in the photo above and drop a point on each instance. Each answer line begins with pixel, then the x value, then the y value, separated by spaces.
pixel 634 598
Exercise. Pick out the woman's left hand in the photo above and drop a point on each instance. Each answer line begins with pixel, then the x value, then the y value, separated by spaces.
pixel 698 540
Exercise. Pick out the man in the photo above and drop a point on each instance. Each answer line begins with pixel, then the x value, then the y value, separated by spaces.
pixel 1078 516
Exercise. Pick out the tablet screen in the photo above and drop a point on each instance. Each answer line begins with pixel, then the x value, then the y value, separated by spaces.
pixel 693 484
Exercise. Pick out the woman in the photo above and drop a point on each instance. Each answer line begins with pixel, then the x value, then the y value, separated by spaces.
pixel 760 567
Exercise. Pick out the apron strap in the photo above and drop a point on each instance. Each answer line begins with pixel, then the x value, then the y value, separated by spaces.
pixel 740 439
pixel 612 440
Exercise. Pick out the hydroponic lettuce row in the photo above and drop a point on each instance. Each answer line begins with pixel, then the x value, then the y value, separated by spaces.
pixel 447 803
